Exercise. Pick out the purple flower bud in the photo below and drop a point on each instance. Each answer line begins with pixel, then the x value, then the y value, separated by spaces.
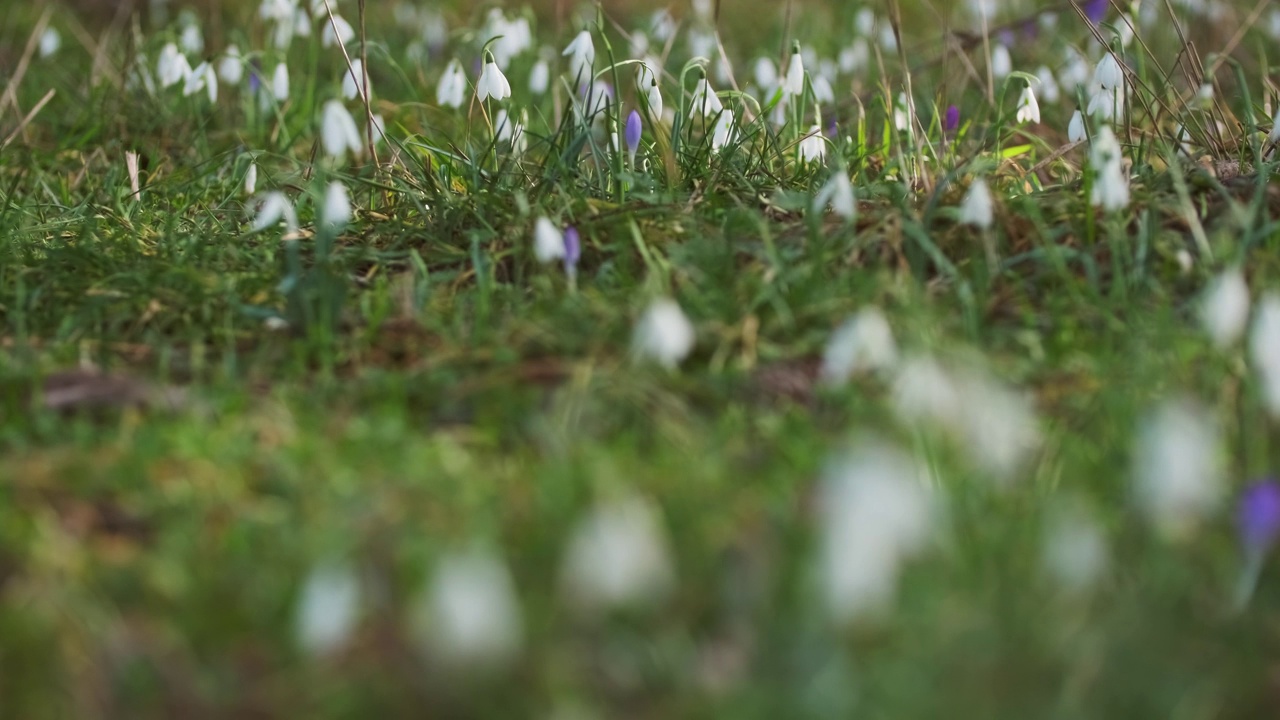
pixel 633 132
pixel 951 121
pixel 1259 515
pixel 1007 38
pixel 255 76
pixel 572 250
pixel 1095 10
pixel 833 130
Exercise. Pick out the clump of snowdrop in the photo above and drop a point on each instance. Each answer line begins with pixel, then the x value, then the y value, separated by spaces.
pixel 338 131
pixel 837 193
pixel 492 83
pixel 618 557
pixel 172 66
pixel 1028 106
pixel 1110 184
pixel 328 609
pixel 877 513
pixel 582 55
pixel 272 208
pixel 471 616
pixel 1264 350
pixel 864 343
pixel 452 85
pixel 1224 309
pixel 1074 548
pixel 977 208
pixel 1177 478
pixel 663 334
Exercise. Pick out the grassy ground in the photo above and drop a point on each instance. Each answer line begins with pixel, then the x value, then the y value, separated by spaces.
pixel 177 462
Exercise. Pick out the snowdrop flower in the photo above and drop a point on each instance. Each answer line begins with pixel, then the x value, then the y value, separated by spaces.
pixel 191 39
pixel 492 83
pixel 1001 62
pixel 582 54
pixel 231 68
pixel 653 100
pixel 509 130
pixel 336 211
pixel 251 179
pixel 338 131
pixel 723 133
pixel 50 42
pixel 1110 186
pixel 901 113
pixel 876 514
pixel 854 57
pixel 793 83
pixel 202 78
pixel 766 75
pixel 172 67
pixel 353 80
pixel 822 90
pixel 344 34
pixel 1224 310
pixel 272 208
pixel 453 83
pixel 813 146
pixel 838 193
pixel 280 83
pixel 472 615
pixel 548 243
pixel 1109 75
pixel 1028 108
pixel 539 78
pixel 1075 72
pixel 977 208
pixel 1074 550
pixel 863 343
pixel 1264 350
pixel 704 103
pixel 1106 104
pixel 1049 89
pixel 663 334
pixel 1177 482
pixel 1274 137
pixel 1075 129
pixel 618 557
pixel 328 609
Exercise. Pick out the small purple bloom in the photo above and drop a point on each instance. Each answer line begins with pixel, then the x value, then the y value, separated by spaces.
pixel 833 130
pixel 572 250
pixel 255 76
pixel 1007 38
pixel 1259 515
pixel 1095 10
pixel 951 121
pixel 633 132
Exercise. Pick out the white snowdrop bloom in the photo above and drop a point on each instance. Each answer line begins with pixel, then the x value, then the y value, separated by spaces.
pixel 50 42
pixel 1106 105
pixel 338 131
pixel 793 83
pixel 1224 310
pixel 663 334
pixel 1274 137
pixel 353 80
pixel 172 66
pixel 272 208
pixel 202 78
pixel 705 103
pixel 1264 350
pixel 855 57
pixel 1074 549
pixel 548 241
pixel 978 208
pixel 492 83
pixel 618 557
pixel 539 78
pixel 277 10
pixel 1204 95
pixel 1049 89
pixel 453 84
pixel 231 67
pixel 653 99
pixel 877 513
pixel 1001 62
pixel 1110 185
pixel 701 43
pixel 888 39
pixel 724 131
pixel 865 21
pixel 335 213
pixel 702 9
pixel 472 615
pixel 813 146
pixel 1075 72
pixel 1075 128
pixel 191 40
pixel 662 25
pixel 982 8
pixel 999 430
pixel 1176 473
pixel 822 90
pixel 923 391
pixel 280 83
pixel 506 128
pixel 766 75
pixel 864 343
pixel 1028 107
pixel 330 37
pixel 582 54
pixel 638 44
pixel 328 609
pixel 379 129
pixel 251 179
pixel 1108 75
pixel 1273 24
pixel 838 194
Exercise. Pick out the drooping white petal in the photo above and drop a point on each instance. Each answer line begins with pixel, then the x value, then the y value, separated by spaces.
pixel 548 241
pixel 663 334
pixel 1176 471
pixel 618 556
pixel 471 616
pixel 328 609
pixel 1224 309
pixel 978 208
pixel 863 343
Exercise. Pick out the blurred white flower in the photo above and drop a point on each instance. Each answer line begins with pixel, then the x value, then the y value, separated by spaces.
pixel 1264 350
pixel 508 130
pixel 548 241
pixel 472 615
pixel 202 78
pixel 251 179
pixel 1075 129
pixel 272 207
pixel 1001 62
pixel 723 132
pixel 50 42
pixel 704 102
pixel 1028 107
pixel 582 54
pixel 977 208
pixel 663 334
pixel 876 514
pixel 1274 137
pixel 336 211
pixel 863 343
pixel 1106 105
pixel 822 90
pixel 338 131
pixel 1224 309
pixel 172 66
pixel 838 194
pixel 353 80
pixel 231 67
pixel 766 75
pixel 453 84
pixel 492 83
pixel 1075 72
pixel 793 83
pixel 813 146
pixel 1176 474
pixel 280 83
pixel 328 609
pixel 1074 550
pixel 191 39
pixel 1110 184
pixel 343 35
pixel 1108 75
pixel 1049 89
pixel 539 78
pixel 618 557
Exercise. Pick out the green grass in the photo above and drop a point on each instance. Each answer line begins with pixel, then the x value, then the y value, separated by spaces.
pixel 437 389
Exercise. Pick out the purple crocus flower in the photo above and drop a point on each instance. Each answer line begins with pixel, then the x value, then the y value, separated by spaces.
pixel 255 76
pixel 1007 38
pixel 1095 10
pixel 951 121
pixel 1258 515
pixel 632 132
pixel 833 130
pixel 572 251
